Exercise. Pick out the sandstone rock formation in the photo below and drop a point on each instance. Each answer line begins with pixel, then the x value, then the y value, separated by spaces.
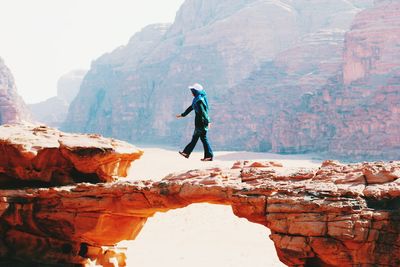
pixel 12 107
pixel 260 51
pixel 336 215
pixel 371 71
pixel 371 45
pixel 53 111
pixel 274 91
pixel 355 114
pixel 49 157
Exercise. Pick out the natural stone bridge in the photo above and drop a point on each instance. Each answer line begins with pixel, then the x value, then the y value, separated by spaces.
pixel 336 215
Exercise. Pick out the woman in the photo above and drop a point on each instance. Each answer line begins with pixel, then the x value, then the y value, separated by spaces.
pixel 201 122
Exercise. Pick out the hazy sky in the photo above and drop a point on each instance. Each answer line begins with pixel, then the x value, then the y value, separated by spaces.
pixel 43 39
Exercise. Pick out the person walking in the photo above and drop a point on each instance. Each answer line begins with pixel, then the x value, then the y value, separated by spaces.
pixel 201 122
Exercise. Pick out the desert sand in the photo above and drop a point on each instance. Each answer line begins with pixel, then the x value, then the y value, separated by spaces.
pixel 202 234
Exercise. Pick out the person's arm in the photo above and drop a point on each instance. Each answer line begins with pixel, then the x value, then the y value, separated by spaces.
pixel 187 111
pixel 203 113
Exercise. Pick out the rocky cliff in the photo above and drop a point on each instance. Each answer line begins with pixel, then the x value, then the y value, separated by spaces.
pixel 261 51
pixel 368 102
pixel 12 107
pixel 355 114
pixel 336 215
pixel 372 44
pixel 256 115
pixel 53 111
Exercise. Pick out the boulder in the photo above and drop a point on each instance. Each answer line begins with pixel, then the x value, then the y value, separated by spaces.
pixel 33 154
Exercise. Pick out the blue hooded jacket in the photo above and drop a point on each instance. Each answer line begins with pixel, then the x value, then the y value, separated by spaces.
pixel 199 96
pixel 201 107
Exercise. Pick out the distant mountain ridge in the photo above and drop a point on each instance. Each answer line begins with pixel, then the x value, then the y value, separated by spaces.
pixel 263 64
pixel 53 110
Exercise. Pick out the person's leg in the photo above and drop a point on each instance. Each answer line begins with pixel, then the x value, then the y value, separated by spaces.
pixel 208 153
pixel 189 148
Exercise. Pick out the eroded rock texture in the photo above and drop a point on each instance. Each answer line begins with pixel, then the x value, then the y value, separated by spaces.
pixel 355 114
pixel 337 215
pixel 37 154
pixel 371 45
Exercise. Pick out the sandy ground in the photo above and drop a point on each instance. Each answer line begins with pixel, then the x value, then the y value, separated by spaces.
pixel 202 234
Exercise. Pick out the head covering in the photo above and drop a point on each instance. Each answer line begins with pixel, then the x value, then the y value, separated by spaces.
pixel 197 87
pixel 199 95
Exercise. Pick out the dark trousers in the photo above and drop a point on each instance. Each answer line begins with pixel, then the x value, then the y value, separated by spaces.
pixel 202 134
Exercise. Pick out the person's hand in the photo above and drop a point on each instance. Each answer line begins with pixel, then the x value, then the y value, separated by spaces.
pixel 209 125
pixel 179 116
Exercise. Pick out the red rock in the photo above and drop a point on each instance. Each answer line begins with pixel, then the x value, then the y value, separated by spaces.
pixel 371 45
pixel 380 174
pixel 38 153
pixel 296 249
pixel 258 165
pixel 237 165
pixel 275 164
pixel 312 221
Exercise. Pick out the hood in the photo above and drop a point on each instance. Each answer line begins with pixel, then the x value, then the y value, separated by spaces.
pixel 197 93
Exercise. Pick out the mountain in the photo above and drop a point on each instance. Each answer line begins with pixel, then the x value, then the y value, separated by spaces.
pixel 53 111
pixel 367 106
pixel 133 92
pixel 264 65
pixel 12 107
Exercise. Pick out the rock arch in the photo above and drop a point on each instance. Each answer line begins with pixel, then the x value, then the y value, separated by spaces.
pixel 313 216
pixel 201 235
pixel 336 215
